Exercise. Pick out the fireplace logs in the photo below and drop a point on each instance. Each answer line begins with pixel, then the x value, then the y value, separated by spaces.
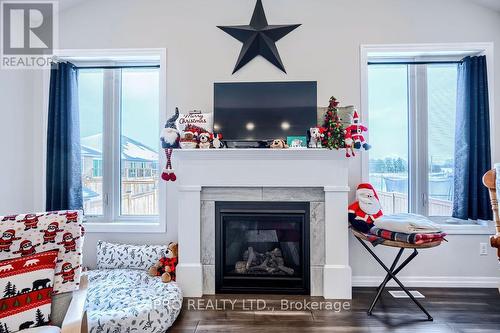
pixel 270 262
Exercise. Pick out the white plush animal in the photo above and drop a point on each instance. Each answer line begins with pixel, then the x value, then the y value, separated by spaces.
pixel 316 134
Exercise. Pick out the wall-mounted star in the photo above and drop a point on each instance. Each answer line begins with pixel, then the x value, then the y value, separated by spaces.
pixel 259 38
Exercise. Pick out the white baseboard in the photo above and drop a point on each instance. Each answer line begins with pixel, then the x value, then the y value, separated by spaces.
pixel 431 281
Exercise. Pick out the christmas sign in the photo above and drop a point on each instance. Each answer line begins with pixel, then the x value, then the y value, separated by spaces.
pixel 196 119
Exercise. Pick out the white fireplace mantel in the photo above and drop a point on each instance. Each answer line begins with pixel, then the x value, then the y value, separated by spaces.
pixel 198 168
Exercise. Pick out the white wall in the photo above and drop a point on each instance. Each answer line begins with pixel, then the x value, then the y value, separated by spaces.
pixel 325 49
pixel 16 141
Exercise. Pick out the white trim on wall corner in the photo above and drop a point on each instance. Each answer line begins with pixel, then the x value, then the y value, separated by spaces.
pixel 431 281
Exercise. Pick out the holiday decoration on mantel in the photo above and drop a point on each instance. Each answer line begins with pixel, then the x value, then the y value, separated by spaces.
pixel 333 130
pixel 355 132
pixel 278 144
pixel 170 138
pixel 259 38
pixel 316 134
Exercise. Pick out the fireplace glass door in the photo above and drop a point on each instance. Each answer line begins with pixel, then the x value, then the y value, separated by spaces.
pixel 262 247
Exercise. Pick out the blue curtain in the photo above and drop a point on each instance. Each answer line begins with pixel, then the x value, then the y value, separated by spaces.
pixel 64 184
pixel 472 141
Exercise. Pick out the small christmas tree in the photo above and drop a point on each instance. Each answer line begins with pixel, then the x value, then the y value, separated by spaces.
pixel 334 131
pixel 40 318
pixel 8 289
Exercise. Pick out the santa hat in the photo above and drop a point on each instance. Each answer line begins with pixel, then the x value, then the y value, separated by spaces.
pixel 66 234
pixel 54 224
pixel 23 243
pixel 367 186
pixel 66 265
pixel 11 232
pixel 355 117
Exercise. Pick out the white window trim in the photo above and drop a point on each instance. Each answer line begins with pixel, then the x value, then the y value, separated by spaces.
pixel 135 224
pixel 393 51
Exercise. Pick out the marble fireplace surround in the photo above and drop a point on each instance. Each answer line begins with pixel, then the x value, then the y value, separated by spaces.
pixel 316 198
pixel 319 176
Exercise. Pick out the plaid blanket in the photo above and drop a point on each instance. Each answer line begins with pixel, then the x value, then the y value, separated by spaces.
pixel 379 235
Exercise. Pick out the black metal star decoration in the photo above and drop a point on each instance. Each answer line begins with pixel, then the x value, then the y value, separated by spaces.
pixel 259 38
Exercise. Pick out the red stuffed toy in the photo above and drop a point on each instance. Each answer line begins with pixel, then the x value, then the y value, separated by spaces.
pixel 165 267
pixel 364 211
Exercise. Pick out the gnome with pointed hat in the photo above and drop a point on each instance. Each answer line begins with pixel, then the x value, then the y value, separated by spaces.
pixel 170 138
pixel 354 133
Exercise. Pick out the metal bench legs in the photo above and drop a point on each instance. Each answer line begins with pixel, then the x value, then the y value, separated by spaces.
pixel 391 274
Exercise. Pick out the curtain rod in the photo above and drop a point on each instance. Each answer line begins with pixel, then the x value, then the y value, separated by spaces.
pixel 415 62
pixel 117 67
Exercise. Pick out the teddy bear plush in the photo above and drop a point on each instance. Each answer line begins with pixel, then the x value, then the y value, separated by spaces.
pixel 278 144
pixel 165 267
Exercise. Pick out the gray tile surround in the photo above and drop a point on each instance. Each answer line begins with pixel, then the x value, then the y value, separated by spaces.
pixel 209 195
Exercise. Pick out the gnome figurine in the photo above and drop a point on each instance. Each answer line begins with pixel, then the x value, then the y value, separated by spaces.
pixel 170 138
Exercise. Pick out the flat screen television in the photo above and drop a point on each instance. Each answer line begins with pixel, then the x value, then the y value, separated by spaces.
pixel 263 111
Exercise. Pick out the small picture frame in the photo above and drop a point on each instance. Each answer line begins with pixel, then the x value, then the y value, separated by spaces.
pixel 296 142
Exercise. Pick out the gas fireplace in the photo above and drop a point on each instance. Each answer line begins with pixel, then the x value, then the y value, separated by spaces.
pixel 262 247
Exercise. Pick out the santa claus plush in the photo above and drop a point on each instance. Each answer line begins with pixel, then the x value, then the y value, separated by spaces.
pixel 364 211
pixel 355 133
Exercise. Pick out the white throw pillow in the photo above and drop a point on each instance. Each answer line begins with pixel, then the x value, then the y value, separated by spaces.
pixel 111 255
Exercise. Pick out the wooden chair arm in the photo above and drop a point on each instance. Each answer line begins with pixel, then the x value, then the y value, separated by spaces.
pixel 75 320
pixel 489 180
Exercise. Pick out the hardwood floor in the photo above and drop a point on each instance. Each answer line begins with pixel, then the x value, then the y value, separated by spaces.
pixel 454 310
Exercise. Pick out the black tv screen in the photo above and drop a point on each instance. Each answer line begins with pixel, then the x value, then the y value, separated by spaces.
pixel 264 110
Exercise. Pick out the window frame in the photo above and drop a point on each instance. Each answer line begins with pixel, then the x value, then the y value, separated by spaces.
pixel 112 220
pixel 418 121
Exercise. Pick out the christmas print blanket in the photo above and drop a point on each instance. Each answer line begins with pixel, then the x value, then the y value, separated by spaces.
pixel 26 234
pixel 26 283
pixel 414 238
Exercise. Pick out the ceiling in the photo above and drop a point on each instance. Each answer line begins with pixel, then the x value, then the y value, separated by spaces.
pixel 492 4
pixel 65 4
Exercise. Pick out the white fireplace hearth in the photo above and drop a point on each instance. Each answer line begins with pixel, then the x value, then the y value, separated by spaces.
pixel 318 176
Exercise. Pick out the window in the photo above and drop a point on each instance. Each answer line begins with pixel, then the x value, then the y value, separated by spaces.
pixel 119 121
pixel 412 128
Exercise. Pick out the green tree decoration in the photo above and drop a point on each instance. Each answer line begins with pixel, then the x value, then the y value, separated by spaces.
pixel 334 131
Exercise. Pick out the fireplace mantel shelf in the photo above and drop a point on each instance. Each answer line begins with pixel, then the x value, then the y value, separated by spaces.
pixel 262 153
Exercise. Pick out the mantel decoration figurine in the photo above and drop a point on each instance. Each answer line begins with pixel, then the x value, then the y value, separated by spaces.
pixel 333 135
pixel 170 139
